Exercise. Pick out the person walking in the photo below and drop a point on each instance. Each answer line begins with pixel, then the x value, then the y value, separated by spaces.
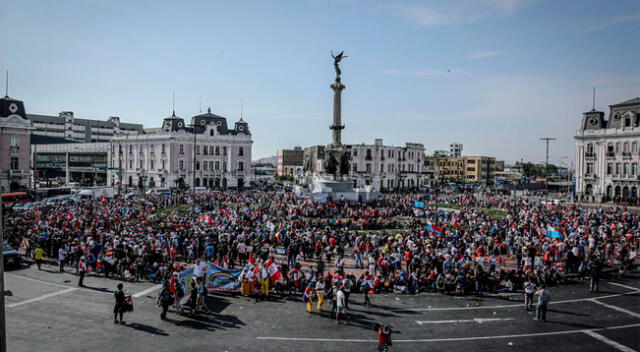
pixel 38 253
pixel 544 296
pixel 119 307
pixel 594 275
pixel 165 299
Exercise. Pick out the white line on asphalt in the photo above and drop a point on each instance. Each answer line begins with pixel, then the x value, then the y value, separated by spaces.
pixel 625 286
pixel 149 290
pixel 12 305
pixel 36 280
pixel 457 321
pixel 565 332
pixel 520 305
pixel 614 344
pixel 595 300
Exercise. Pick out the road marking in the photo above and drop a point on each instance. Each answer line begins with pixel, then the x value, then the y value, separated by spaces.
pixel 625 286
pixel 457 321
pixel 595 300
pixel 48 295
pixel 565 332
pixel 614 344
pixel 149 290
pixel 520 305
pixel 36 280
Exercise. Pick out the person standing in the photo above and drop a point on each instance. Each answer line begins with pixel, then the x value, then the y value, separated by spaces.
pixel 529 290
pixel 62 257
pixel 544 296
pixel 308 297
pixel 320 294
pixel 341 306
pixel 118 309
pixel 264 281
pixel 202 297
pixel 38 253
pixel 82 269
pixel 594 280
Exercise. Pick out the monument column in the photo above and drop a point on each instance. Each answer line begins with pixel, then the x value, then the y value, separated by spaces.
pixel 337 126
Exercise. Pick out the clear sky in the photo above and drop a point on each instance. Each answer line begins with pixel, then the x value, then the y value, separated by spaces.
pixel 495 75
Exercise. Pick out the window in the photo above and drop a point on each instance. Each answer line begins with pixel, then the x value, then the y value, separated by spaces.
pixel 634 168
pixel 217 165
pixel 151 162
pixel 211 165
pixel 181 165
pixel 609 168
pixel 181 149
pixel 241 166
pixel 368 157
pixel 589 168
pixel 224 151
pixel 197 165
pixel 625 147
pixel 15 163
pixel 211 133
pixel 217 150
pixel 368 168
pixel 205 165
pixel 130 164
pixel 241 151
pixel 634 147
pixel 211 149
pixel 15 141
pixel 618 147
pixel 617 168
pixel 205 150
pixel 130 149
pixel 626 170
pixel 355 152
pixel 355 167
pixel 224 166
pixel 163 148
pixel 198 149
pixel 163 164
pixel 471 169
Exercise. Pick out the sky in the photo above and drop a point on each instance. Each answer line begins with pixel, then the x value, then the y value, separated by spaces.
pixel 495 75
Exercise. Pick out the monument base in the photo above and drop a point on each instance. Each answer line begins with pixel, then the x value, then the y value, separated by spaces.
pixel 326 187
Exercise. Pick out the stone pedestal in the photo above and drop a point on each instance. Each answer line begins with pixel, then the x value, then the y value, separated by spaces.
pixel 337 125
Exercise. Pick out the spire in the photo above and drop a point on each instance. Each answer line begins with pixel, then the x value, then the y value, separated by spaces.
pixel 6 87
pixel 240 108
pixel 174 104
pixel 593 108
pixel 209 110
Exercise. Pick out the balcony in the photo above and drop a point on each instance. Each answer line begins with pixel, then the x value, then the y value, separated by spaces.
pixel 590 176
pixel 14 149
pixel 589 155
pixel 609 154
pixel 626 155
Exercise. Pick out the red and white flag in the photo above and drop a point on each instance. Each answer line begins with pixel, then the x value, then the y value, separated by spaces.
pixel 272 269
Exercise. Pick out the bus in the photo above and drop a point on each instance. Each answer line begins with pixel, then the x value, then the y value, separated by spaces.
pixel 15 197
pixel 48 192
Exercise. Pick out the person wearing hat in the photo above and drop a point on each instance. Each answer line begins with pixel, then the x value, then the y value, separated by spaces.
pixel 308 297
pixel 341 305
pixel 82 269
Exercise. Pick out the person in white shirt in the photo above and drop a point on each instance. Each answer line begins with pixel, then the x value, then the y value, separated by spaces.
pixel 62 257
pixel 340 304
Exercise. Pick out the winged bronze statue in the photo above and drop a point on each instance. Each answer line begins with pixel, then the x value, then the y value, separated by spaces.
pixel 336 61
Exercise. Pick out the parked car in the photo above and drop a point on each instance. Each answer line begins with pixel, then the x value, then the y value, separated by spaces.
pixel 11 255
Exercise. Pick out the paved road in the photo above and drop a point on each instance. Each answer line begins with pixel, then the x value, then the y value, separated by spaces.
pixel 48 312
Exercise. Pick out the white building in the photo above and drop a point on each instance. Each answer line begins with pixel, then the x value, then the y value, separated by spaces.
pixel 165 157
pixel 607 154
pixel 15 138
pixel 387 167
pixel 455 149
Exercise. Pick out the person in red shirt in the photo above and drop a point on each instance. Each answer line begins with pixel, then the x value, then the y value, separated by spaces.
pixel 384 337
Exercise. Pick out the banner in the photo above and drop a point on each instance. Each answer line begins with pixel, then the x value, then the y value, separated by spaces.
pixel 220 279
pixel 185 279
pixel 418 204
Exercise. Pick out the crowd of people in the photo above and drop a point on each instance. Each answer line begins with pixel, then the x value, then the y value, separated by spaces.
pixel 453 243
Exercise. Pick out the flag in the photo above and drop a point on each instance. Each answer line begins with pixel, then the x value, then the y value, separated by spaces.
pixel 554 233
pixel 69 216
pixel 251 260
pixel 455 223
pixel 434 228
pixel 418 204
pixel 272 269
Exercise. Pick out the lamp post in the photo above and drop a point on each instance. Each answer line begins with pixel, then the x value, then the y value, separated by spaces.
pixel 546 169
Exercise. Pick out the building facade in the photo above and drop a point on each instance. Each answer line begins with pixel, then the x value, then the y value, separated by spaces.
pixel 451 169
pixel 65 162
pixel 206 153
pixel 479 169
pixel 290 162
pixel 455 149
pixel 607 154
pixel 66 126
pixel 15 139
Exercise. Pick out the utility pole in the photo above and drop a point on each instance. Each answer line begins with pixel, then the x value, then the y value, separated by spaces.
pixel 546 169
pixel 3 333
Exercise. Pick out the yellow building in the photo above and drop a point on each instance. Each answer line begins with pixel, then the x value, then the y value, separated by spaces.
pixel 451 169
pixel 479 169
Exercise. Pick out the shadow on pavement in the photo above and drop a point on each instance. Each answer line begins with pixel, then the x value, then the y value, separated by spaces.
pixel 147 328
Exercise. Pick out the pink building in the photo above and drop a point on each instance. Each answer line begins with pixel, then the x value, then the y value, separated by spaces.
pixel 15 142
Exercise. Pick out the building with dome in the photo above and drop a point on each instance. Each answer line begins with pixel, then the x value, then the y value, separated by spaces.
pixel 206 152
pixel 607 154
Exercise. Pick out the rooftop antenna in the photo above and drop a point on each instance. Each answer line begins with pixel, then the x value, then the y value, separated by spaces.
pixel 174 103
pixel 240 108
pixel 594 98
pixel 6 87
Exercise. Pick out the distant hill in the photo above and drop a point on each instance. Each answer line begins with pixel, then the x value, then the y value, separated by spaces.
pixel 273 160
